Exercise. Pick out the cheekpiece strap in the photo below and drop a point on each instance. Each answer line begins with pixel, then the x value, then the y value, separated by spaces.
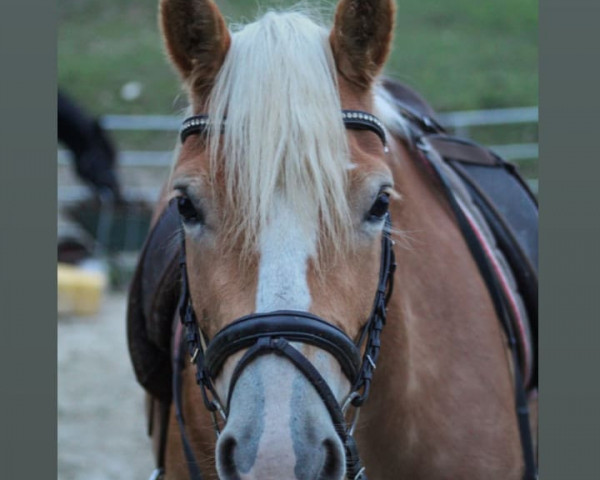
pixel 374 326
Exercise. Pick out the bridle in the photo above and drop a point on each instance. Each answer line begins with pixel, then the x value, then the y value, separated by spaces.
pixel 273 332
pixel 353 120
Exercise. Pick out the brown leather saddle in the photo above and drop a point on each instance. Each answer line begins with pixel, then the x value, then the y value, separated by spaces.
pixel 508 205
pixel 152 304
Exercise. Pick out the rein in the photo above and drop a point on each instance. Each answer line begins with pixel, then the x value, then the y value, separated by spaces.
pixel 272 332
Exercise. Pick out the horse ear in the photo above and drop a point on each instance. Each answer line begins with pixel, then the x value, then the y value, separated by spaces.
pixel 196 38
pixel 361 38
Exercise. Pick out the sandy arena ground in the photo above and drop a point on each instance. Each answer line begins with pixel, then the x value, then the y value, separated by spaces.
pixel 101 420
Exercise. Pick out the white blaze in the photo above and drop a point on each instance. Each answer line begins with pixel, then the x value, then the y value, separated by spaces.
pixel 285 247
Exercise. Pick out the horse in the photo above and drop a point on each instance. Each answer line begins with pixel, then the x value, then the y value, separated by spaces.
pixel 319 264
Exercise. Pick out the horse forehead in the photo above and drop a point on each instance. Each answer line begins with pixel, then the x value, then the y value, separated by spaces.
pixel 191 163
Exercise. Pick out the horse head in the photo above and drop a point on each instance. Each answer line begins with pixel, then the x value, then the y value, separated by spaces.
pixel 283 210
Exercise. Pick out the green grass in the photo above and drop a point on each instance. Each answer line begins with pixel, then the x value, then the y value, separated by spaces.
pixel 104 44
pixel 460 54
pixel 468 54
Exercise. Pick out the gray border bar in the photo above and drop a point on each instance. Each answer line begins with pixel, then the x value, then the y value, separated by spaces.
pixel 569 240
pixel 28 239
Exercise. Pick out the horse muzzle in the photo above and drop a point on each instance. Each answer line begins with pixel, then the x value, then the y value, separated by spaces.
pixel 317 448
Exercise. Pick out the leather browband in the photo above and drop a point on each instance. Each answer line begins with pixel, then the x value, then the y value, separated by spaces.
pixel 293 326
pixel 357 120
pixel 353 120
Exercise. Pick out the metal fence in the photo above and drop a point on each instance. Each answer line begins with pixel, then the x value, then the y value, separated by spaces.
pixel 461 123
pixel 142 172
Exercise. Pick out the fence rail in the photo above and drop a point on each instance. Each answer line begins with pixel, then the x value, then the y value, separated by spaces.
pixel 462 119
pixel 500 116
pixel 460 122
pixel 142 158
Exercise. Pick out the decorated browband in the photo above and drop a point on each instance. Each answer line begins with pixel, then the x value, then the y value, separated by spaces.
pixel 353 120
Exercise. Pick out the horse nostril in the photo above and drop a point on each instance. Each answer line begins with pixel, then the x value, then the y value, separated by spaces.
pixel 225 458
pixel 333 463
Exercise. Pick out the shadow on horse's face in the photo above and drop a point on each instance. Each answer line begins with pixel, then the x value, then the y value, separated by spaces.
pixel 282 210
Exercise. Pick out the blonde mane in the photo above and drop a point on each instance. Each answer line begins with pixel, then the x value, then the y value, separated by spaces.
pixel 284 139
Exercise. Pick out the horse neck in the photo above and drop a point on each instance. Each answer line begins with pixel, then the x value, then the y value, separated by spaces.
pixel 443 366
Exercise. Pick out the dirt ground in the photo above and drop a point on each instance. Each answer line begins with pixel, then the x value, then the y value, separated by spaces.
pixel 101 419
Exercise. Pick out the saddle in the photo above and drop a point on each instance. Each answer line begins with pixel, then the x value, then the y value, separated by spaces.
pixel 504 213
pixel 152 304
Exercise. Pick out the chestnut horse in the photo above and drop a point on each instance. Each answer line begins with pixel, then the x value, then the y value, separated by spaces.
pixel 284 207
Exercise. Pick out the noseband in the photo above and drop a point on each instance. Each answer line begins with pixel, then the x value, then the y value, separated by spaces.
pixel 273 332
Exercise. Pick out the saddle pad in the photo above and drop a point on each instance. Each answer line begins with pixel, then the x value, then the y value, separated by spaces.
pixel 500 185
pixel 505 207
pixel 509 211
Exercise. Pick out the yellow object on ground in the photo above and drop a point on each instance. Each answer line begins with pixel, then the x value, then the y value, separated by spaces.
pixel 79 290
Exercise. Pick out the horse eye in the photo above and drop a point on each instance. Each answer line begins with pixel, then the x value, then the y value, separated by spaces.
pixel 380 207
pixel 188 211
